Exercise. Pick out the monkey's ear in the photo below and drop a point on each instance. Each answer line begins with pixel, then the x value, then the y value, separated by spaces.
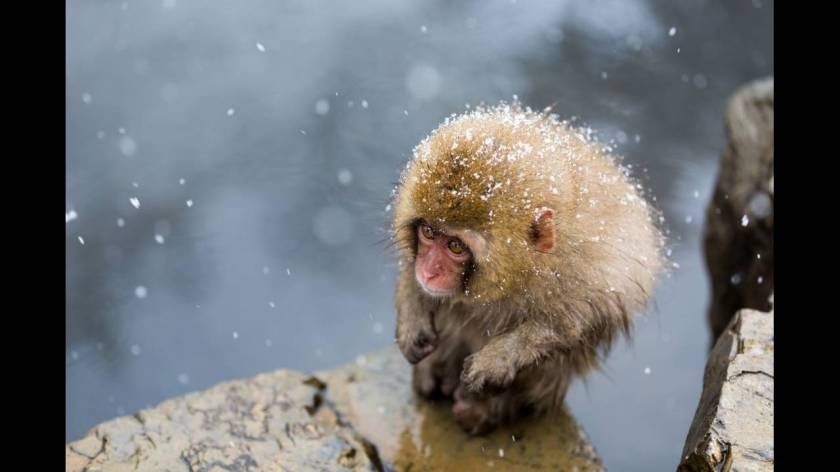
pixel 542 230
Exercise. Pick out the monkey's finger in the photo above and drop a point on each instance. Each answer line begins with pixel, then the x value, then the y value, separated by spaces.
pixel 417 352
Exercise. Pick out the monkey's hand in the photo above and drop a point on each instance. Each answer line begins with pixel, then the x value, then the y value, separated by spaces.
pixel 492 369
pixel 416 335
pixel 417 345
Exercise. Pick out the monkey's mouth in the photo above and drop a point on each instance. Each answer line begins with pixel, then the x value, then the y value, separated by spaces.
pixel 435 292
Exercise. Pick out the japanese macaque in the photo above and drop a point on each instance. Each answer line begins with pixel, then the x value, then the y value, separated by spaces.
pixel 524 250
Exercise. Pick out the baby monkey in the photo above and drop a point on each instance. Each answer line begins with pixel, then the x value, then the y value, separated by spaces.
pixel 524 250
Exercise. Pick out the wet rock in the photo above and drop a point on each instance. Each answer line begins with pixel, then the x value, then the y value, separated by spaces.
pixel 738 239
pixel 374 396
pixel 733 425
pixel 362 416
pixel 271 422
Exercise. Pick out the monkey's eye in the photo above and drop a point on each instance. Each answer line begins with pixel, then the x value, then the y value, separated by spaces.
pixel 456 246
pixel 427 232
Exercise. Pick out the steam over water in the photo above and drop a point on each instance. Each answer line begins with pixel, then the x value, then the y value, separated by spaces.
pixel 229 167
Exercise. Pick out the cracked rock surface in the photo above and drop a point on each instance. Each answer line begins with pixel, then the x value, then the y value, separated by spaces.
pixel 258 424
pixel 733 425
pixel 363 416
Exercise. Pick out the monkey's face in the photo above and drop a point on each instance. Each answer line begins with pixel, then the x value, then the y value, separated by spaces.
pixel 442 262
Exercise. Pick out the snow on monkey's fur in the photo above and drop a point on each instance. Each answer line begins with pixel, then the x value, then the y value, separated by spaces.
pixel 544 316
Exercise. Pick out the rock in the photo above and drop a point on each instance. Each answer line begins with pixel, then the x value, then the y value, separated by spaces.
pixel 733 426
pixel 358 417
pixel 259 424
pixel 738 239
pixel 374 395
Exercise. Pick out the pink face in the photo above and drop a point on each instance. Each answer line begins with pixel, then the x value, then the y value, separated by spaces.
pixel 441 261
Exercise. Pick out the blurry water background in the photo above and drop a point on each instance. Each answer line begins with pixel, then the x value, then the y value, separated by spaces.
pixel 229 166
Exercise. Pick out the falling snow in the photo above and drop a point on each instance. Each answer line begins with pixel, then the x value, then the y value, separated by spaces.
pixel 235 335
pixel 672 31
pixel 260 47
pixel 760 205
pixel 745 220
pixel 345 177
pixel 159 239
pixel 189 203
pixel 647 370
pixel 135 350
pixel 322 107
pixel 81 240
pixel 127 146
pixel 120 222
pixel 140 291
pixel 230 112
pixel 135 202
pixel 70 216
pixel 423 82
pixel 183 379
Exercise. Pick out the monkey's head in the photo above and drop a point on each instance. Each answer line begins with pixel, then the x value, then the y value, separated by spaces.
pixel 476 208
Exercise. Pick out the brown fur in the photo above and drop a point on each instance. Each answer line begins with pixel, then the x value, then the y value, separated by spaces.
pixel 526 322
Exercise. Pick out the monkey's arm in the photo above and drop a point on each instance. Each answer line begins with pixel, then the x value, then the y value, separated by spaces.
pixel 497 363
pixel 416 334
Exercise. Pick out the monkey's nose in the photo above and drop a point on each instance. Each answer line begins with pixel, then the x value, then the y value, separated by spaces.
pixel 430 274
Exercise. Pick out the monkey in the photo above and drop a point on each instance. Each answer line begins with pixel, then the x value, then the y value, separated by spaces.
pixel 525 248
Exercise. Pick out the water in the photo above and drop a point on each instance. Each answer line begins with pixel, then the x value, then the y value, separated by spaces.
pixel 224 157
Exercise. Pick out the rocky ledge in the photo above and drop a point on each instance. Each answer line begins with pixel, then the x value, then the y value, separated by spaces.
pixel 362 416
pixel 733 425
